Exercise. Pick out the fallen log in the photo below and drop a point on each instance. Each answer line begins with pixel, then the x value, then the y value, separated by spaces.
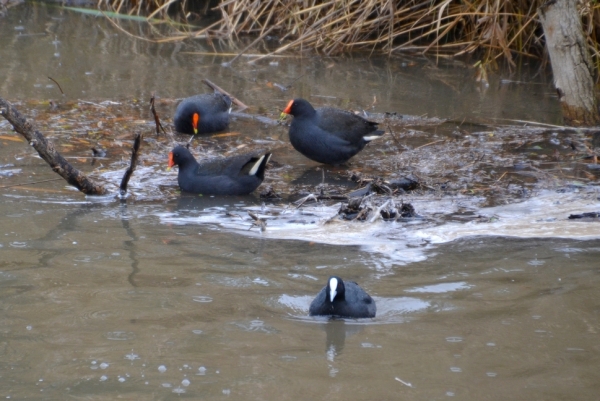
pixel 48 152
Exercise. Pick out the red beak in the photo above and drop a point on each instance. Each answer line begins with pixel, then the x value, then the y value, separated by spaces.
pixel 195 119
pixel 288 108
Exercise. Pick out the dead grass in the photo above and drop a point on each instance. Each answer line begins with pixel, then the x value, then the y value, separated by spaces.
pixel 492 29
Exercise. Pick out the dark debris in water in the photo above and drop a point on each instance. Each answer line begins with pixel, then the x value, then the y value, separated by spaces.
pixel 364 209
pixel 591 216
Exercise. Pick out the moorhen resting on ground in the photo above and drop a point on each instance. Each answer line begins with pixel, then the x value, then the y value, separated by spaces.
pixel 342 299
pixel 203 114
pixel 328 135
pixel 235 175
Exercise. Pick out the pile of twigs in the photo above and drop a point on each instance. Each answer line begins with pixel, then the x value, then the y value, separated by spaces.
pixel 442 27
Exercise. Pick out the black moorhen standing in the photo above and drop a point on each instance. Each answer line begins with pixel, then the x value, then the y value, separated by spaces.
pixel 235 175
pixel 203 114
pixel 328 135
pixel 342 299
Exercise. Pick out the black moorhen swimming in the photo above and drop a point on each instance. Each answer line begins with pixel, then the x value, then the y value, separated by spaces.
pixel 342 299
pixel 235 175
pixel 203 114
pixel 328 135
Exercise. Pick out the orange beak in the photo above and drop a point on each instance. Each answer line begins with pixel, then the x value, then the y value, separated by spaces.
pixel 195 120
pixel 171 162
pixel 287 110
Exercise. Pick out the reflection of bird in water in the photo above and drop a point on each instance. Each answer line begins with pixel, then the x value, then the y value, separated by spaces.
pixel 337 331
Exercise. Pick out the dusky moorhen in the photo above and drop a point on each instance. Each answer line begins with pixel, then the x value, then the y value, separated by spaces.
pixel 235 175
pixel 328 135
pixel 203 114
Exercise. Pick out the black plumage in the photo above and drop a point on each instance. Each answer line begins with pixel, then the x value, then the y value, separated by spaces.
pixel 348 300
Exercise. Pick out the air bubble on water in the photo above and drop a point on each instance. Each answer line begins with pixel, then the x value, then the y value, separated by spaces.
pixel 132 356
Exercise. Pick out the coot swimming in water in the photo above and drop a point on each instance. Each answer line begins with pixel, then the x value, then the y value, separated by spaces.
pixel 342 299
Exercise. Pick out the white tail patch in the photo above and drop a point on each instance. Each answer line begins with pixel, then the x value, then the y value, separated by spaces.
pixel 254 168
pixel 371 137
pixel 333 283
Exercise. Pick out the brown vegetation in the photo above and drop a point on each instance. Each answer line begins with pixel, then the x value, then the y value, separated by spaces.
pixel 490 28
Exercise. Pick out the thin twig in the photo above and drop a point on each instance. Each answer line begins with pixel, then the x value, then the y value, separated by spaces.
pixel 156 119
pixel 430 143
pixel 30 183
pixel 57 84
pixel 502 176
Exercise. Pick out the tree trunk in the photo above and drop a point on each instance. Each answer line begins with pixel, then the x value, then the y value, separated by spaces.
pixel 571 63
pixel 48 152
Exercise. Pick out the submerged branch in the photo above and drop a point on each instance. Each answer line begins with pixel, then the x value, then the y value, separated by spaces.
pixel 48 152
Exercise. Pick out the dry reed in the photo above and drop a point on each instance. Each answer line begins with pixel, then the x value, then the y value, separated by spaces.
pixel 490 28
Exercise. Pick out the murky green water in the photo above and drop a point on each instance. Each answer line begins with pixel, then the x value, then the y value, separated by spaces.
pixel 152 300
pixel 103 300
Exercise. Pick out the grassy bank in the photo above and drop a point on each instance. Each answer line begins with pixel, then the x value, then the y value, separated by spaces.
pixel 491 29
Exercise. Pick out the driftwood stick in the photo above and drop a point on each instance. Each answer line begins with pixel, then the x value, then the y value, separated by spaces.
pixel 48 152
pixel 234 99
pixel 135 153
pixel 377 213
